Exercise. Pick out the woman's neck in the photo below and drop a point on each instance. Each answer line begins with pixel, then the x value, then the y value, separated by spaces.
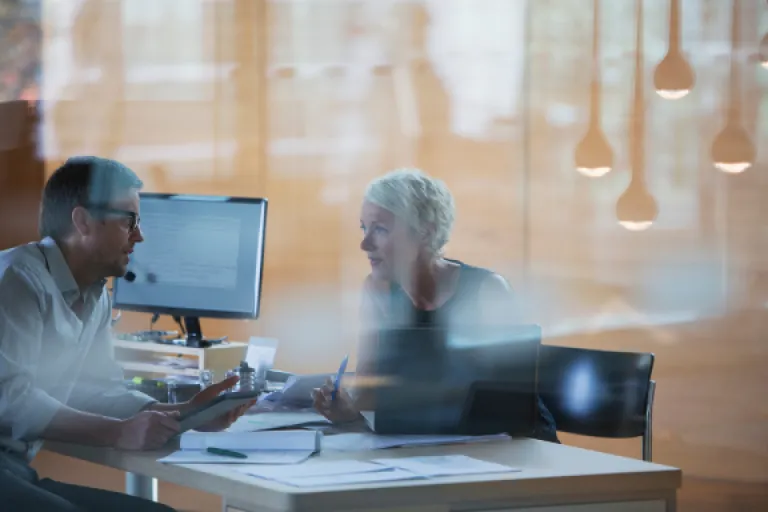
pixel 426 284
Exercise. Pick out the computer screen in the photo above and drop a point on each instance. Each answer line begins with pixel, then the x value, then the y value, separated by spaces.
pixel 202 256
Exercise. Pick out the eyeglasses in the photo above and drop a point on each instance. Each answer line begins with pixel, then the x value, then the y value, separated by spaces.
pixel 134 220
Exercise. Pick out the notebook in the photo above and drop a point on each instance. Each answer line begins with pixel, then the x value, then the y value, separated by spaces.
pixel 274 447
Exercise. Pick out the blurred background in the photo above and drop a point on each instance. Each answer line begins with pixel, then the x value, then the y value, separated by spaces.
pixel 619 183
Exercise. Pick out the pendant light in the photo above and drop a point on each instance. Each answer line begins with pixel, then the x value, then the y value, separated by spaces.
pixel 594 156
pixel 674 77
pixel 763 51
pixel 732 150
pixel 636 209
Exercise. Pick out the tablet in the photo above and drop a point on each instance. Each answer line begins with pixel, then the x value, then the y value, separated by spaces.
pixel 219 406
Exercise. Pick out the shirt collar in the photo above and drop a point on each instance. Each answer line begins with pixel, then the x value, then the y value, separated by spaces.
pixel 61 273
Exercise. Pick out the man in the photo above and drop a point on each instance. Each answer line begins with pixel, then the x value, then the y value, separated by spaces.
pixel 58 379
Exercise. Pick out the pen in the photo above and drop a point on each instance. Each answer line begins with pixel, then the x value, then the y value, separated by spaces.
pixel 226 453
pixel 337 383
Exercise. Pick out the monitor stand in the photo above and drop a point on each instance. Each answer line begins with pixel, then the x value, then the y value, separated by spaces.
pixel 194 333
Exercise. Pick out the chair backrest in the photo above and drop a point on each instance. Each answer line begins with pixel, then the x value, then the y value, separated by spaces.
pixel 595 392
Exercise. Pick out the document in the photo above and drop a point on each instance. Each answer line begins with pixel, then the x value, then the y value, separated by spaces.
pixel 315 468
pixel 445 465
pixel 389 475
pixel 297 392
pixel 280 447
pixel 274 420
pixel 302 440
pixel 317 473
pixel 253 457
pixel 369 441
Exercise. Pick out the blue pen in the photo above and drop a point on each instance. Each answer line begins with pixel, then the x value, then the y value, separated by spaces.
pixel 337 383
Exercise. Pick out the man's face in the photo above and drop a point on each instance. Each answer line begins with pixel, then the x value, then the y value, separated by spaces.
pixel 115 231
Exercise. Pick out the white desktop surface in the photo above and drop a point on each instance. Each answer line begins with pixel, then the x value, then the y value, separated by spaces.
pixel 561 478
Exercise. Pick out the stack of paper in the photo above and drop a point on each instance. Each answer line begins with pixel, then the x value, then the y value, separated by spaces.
pixel 281 447
pixel 369 441
pixel 275 420
pixel 332 473
pixel 445 465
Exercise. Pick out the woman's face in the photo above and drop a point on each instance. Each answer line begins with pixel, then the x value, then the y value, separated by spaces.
pixel 391 244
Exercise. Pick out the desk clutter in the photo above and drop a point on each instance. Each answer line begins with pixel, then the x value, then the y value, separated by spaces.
pixel 326 473
pixel 274 447
pixel 283 456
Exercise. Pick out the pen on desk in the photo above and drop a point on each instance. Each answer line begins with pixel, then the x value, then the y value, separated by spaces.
pixel 337 382
pixel 226 453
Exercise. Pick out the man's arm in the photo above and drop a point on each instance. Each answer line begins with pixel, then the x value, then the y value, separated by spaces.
pixel 26 411
pixel 100 389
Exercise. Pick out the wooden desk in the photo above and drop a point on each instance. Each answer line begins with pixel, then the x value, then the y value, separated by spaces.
pixel 559 478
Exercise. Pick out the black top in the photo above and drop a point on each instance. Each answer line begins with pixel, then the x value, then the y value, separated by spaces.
pixel 463 306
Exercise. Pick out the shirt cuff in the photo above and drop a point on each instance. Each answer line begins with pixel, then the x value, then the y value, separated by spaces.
pixel 123 404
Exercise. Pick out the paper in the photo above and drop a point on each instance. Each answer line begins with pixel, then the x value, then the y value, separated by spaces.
pixel 389 475
pixel 254 457
pixel 315 474
pixel 298 389
pixel 261 353
pixel 273 420
pixel 301 440
pixel 445 465
pixel 370 441
pixel 315 468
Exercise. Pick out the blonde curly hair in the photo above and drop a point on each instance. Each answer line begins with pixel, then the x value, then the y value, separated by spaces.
pixel 425 203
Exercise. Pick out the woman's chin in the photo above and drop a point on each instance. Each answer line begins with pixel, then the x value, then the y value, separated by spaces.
pixel 379 272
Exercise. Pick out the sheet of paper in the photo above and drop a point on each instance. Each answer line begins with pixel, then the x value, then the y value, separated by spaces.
pixel 300 440
pixel 273 457
pixel 273 420
pixel 369 441
pixel 314 468
pixel 445 465
pixel 354 478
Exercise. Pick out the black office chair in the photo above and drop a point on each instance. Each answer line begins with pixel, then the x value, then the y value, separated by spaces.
pixel 599 393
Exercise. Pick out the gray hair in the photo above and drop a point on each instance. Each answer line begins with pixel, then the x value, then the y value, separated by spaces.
pixel 425 203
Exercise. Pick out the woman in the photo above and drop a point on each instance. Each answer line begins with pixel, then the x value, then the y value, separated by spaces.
pixel 406 221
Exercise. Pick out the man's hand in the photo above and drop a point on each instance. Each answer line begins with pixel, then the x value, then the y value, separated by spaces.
pixel 211 392
pixel 148 430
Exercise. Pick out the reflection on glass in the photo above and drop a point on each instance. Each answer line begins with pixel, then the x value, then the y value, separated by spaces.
pixel 764 51
pixel 732 149
pixel 674 77
pixel 636 209
pixel 594 157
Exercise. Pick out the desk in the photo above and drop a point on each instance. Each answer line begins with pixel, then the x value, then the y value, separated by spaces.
pixel 556 477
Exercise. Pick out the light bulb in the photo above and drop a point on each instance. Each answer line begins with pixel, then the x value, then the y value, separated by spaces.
pixel 673 94
pixel 763 51
pixel 636 226
pixel 733 167
pixel 594 172
pixel 732 150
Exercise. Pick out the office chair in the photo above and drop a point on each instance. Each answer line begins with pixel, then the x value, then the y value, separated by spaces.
pixel 599 393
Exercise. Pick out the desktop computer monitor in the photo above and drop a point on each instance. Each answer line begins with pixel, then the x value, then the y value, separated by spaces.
pixel 202 256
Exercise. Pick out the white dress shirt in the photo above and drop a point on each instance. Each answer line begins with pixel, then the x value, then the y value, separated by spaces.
pixel 55 345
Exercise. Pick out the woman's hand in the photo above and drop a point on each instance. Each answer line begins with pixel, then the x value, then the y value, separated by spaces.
pixel 340 410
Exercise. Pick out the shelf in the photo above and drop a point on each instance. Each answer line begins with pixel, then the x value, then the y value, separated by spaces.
pixel 142 357
pixel 148 346
pixel 158 368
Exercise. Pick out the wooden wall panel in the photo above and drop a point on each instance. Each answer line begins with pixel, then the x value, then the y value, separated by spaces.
pixel 305 102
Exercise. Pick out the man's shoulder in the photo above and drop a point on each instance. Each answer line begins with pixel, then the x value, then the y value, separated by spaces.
pixel 19 266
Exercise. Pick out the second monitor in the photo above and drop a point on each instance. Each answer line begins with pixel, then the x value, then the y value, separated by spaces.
pixel 202 256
